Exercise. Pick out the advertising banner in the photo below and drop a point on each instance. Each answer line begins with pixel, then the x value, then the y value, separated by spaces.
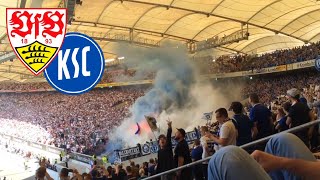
pixel 129 153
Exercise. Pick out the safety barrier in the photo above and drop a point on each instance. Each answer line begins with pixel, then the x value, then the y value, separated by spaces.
pixel 295 129
pixel 44 147
pixel 54 150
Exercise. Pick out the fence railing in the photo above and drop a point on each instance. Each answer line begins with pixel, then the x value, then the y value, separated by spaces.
pixel 295 129
pixel 55 150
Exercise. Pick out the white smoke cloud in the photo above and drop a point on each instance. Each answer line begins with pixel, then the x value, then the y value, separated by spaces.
pixel 178 93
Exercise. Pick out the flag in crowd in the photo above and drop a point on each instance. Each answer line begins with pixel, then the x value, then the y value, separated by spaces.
pixel 207 116
pixel 138 130
pixel 152 122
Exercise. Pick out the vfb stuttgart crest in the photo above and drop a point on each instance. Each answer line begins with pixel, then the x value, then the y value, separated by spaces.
pixel 36 35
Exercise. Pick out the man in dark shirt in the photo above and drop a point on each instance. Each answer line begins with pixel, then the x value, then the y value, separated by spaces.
pixel 182 155
pixel 262 120
pixel 129 172
pixel 242 123
pixel 165 154
pixel 119 174
pixel 134 168
pixel 299 114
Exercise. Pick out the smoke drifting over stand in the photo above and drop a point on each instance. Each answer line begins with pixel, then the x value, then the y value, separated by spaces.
pixel 178 92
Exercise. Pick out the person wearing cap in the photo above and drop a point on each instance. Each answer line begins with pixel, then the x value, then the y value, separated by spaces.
pixel 182 155
pixel 165 154
pixel 299 114
pixel 242 123
pixel 261 117
pixel 228 132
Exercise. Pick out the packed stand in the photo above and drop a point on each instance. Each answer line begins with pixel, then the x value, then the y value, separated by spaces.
pixel 239 62
pixel 78 123
pixel 271 87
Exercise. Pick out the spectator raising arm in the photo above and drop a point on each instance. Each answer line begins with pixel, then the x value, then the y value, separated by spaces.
pixel 169 134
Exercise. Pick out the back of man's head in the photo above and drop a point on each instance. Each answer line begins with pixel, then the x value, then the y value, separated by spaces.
pixel 254 98
pixel 222 112
pixel 236 107
pixel 129 169
pixel 132 163
pixel 95 173
pixel 197 142
pixel 64 172
pixel 41 173
pixel 151 161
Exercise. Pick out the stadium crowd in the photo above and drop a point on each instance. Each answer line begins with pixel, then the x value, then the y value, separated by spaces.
pixel 271 87
pixel 76 123
pixel 239 62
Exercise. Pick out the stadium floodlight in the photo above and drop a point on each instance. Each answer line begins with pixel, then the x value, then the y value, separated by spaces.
pixel 120 58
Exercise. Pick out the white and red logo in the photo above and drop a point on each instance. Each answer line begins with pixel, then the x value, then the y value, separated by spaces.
pixel 36 35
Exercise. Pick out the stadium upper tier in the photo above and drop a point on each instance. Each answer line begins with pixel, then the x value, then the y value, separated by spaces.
pixel 125 72
pixel 271 25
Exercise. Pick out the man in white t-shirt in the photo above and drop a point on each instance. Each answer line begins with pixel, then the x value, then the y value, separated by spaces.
pixel 207 146
pixel 228 132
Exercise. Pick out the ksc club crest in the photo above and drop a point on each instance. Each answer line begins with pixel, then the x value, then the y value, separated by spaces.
pixel 36 35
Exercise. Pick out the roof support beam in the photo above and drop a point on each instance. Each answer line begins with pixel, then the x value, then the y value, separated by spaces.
pixel 314 36
pixel 304 14
pixel 148 10
pixel 171 3
pixel 185 39
pixel 186 15
pixel 288 13
pixel 304 27
pixel 215 15
pixel 208 27
pixel 215 7
pixel 104 10
pixel 134 29
pixel 265 7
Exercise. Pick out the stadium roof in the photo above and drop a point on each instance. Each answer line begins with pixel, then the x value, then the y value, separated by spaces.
pixel 272 24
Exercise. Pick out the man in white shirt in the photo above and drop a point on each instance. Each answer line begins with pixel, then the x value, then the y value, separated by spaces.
pixel 207 146
pixel 228 132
